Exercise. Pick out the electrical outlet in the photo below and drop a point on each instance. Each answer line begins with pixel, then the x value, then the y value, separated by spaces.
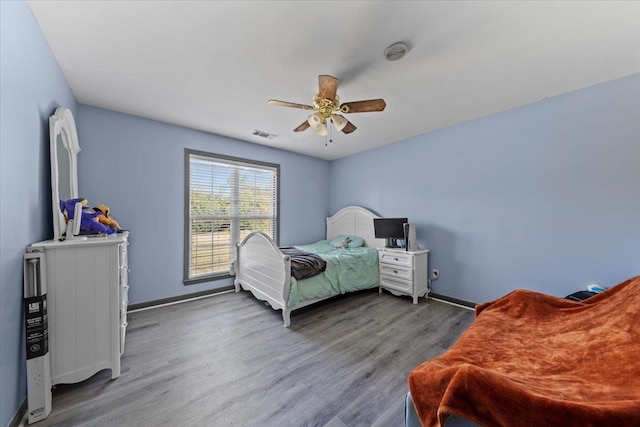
pixel 435 274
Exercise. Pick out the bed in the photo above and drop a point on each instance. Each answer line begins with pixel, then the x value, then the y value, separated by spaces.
pixel 531 359
pixel 264 270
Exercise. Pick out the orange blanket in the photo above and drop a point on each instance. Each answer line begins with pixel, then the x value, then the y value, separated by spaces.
pixel 531 359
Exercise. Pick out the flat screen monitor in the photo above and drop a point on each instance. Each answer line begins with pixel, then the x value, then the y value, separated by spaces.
pixel 391 229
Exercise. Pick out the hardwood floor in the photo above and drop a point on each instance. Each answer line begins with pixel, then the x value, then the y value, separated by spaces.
pixel 228 361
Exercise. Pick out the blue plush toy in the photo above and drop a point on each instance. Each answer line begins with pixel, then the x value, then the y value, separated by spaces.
pixel 88 221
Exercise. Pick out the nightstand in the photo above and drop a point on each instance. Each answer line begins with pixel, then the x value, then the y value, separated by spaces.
pixel 404 272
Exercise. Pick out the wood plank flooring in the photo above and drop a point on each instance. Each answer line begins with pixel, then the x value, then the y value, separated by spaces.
pixel 227 360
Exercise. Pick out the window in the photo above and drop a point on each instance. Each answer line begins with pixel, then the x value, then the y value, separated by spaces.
pixel 226 198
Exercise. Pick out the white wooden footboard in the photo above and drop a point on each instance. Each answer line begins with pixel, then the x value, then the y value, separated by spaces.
pixel 265 271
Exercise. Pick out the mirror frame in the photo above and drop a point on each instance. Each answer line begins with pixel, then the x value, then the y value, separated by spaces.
pixel 62 124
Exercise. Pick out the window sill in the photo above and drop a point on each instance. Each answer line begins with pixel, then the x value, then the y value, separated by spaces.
pixel 203 279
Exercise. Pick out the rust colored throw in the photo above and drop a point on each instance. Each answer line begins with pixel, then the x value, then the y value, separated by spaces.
pixel 531 359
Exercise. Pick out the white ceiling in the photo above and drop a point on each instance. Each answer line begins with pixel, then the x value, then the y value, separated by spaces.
pixel 212 65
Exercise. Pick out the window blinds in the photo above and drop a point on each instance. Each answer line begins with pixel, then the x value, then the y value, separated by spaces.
pixel 228 199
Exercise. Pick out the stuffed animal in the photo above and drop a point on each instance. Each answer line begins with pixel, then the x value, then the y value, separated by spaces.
pixel 88 220
pixel 105 218
pixel 345 243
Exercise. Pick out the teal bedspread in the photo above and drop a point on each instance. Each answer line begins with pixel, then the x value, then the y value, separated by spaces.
pixel 348 270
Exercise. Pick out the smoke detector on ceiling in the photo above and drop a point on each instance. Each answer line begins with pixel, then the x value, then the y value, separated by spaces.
pixel 396 51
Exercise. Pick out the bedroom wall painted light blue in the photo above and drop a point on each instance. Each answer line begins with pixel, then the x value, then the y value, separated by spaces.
pixel 32 86
pixel 544 197
pixel 136 167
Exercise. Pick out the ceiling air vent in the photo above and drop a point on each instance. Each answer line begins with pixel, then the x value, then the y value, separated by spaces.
pixel 263 134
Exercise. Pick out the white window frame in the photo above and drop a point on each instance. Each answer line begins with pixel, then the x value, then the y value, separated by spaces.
pixel 234 218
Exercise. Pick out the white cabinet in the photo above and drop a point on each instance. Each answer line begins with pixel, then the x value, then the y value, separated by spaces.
pixel 87 297
pixel 404 273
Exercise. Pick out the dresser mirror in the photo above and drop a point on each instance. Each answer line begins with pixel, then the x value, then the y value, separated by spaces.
pixel 64 170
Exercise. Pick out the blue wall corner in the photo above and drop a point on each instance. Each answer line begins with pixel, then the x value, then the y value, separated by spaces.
pixel 545 196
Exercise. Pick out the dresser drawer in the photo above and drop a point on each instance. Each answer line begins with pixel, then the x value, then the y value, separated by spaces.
pixel 124 304
pixel 395 258
pixel 123 312
pixel 123 332
pixel 396 272
pixel 396 284
pixel 124 276
pixel 124 294
pixel 124 257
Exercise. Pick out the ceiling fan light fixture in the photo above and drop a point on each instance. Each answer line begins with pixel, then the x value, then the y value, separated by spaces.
pixel 322 129
pixel 339 122
pixel 327 105
pixel 315 120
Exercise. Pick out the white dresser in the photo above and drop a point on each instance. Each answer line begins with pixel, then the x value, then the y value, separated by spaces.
pixel 87 297
pixel 404 273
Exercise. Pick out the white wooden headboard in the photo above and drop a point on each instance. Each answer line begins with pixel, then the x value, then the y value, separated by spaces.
pixel 354 221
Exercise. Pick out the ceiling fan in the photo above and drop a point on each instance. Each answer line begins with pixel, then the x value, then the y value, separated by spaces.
pixel 326 105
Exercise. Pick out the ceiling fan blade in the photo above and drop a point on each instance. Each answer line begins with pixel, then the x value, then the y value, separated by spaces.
pixel 303 126
pixel 363 106
pixel 350 127
pixel 327 86
pixel 289 104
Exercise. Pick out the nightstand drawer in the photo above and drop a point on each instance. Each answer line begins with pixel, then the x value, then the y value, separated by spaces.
pixel 396 284
pixel 396 272
pixel 396 258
